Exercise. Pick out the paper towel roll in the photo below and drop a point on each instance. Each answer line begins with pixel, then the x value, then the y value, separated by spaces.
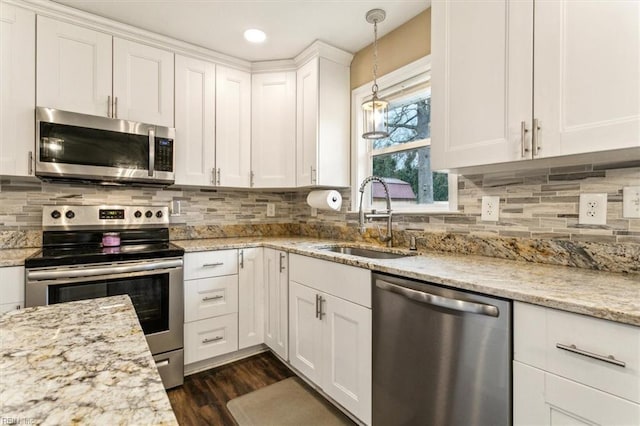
pixel 328 199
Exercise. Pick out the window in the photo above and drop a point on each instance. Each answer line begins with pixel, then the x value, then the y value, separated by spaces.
pixel 403 158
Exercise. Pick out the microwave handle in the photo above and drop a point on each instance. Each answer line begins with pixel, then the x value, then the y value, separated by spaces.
pixel 152 150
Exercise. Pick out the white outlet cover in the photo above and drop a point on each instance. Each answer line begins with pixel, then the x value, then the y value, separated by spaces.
pixel 631 202
pixel 593 209
pixel 271 210
pixel 490 208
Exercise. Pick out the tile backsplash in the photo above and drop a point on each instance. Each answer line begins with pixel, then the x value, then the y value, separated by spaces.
pixel 538 215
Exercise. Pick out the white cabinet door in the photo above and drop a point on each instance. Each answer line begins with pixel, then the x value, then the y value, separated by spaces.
pixel 346 344
pixel 233 127
pixel 322 117
pixel 482 74
pixel 587 75
pixel 307 123
pixel 17 99
pixel 73 68
pixel 12 294
pixel 273 129
pixel 142 83
pixel 195 122
pixel 305 331
pixel 541 398
pixel 250 297
pixel 276 327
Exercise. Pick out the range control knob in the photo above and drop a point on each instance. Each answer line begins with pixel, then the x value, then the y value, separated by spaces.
pixel 159 214
pixel 149 213
pixel 138 214
pixel 70 214
pixel 56 214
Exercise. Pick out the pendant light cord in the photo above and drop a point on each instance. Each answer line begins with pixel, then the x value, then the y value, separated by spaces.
pixel 375 58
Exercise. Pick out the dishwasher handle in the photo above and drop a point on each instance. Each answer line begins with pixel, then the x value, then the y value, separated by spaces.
pixel 441 301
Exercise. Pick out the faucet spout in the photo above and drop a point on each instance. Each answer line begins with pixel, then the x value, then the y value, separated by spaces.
pixel 388 238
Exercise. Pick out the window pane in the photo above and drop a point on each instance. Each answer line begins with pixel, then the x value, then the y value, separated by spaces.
pixel 409 178
pixel 409 120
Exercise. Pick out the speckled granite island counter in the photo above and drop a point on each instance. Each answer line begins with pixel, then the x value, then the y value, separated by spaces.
pixel 83 362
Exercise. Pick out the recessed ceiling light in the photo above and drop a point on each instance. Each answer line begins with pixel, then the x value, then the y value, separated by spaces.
pixel 255 36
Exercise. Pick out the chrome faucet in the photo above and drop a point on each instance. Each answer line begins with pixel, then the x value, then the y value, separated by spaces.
pixel 362 215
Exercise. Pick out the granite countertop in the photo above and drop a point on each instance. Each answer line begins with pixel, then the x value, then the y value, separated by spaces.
pixel 612 296
pixel 84 362
pixel 15 257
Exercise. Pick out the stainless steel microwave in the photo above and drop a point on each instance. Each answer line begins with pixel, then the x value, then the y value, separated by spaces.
pixel 73 146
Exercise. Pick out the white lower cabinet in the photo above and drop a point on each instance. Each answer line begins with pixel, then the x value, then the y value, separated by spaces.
pixel 211 304
pixel 330 336
pixel 276 301
pixel 12 294
pixel 250 297
pixel 571 369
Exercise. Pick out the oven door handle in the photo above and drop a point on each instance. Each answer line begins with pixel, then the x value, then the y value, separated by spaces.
pixel 81 272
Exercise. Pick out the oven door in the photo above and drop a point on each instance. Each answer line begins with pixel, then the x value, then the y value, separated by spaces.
pixel 154 286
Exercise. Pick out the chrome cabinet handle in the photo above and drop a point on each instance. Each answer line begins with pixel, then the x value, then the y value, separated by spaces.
pixel 441 301
pixel 610 359
pixel 218 176
pixel 152 150
pixel 313 174
pixel 215 339
pixel 109 106
pixel 523 141
pixel 241 259
pixel 282 267
pixel 115 107
pixel 213 176
pixel 535 140
pixel 207 298
pixel 30 160
pixel 212 265
pixel 251 176
pixel 320 313
pixel 317 305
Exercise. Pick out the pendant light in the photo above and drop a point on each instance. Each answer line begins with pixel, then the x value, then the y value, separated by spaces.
pixel 375 111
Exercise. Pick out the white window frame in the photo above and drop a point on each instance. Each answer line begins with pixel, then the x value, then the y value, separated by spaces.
pixel 361 155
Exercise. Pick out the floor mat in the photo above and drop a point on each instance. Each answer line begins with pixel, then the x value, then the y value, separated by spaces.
pixel 285 403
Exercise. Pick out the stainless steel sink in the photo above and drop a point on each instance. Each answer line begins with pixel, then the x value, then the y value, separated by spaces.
pixel 365 252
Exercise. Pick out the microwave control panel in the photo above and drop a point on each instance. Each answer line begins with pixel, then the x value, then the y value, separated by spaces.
pixel 164 155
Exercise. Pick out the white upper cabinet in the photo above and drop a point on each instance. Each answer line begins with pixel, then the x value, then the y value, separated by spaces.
pixel 74 68
pixel 273 130
pixel 322 119
pixel 91 72
pixel 233 127
pixel 142 83
pixel 497 100
pixel 17 82
pixel 195 122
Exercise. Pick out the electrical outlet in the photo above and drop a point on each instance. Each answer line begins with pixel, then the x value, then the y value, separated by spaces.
pixel 271 210
pixel 490 208
pixel 314 212
pixel 593 209
pixel 631 201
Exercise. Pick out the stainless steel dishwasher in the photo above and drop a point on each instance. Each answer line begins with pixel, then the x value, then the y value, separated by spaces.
pixel 441 357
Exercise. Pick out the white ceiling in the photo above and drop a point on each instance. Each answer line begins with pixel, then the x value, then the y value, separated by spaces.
pixel 291 25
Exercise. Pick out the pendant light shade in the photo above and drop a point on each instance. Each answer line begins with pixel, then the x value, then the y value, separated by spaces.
pixel 375 111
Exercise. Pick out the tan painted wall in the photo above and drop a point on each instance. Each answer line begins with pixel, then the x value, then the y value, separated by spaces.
pixel 405 44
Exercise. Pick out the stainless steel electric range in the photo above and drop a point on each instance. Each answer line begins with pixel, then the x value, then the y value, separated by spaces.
pixel 99 251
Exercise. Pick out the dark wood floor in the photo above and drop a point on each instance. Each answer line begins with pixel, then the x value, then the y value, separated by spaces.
pixel 202 400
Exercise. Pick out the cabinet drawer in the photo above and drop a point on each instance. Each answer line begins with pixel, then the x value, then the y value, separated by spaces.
pixel 210 337
pixel 210 297
pixel 538 331
pixel 210 264
pixel 11 284
pixel 347 282
pixel 599 337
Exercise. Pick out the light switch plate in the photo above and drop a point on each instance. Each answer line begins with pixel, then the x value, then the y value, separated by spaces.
pixel 593 209
pixel 631 202
pixel 490 208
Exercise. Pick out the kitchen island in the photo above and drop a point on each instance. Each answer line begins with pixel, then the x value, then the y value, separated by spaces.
pixel 84 362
